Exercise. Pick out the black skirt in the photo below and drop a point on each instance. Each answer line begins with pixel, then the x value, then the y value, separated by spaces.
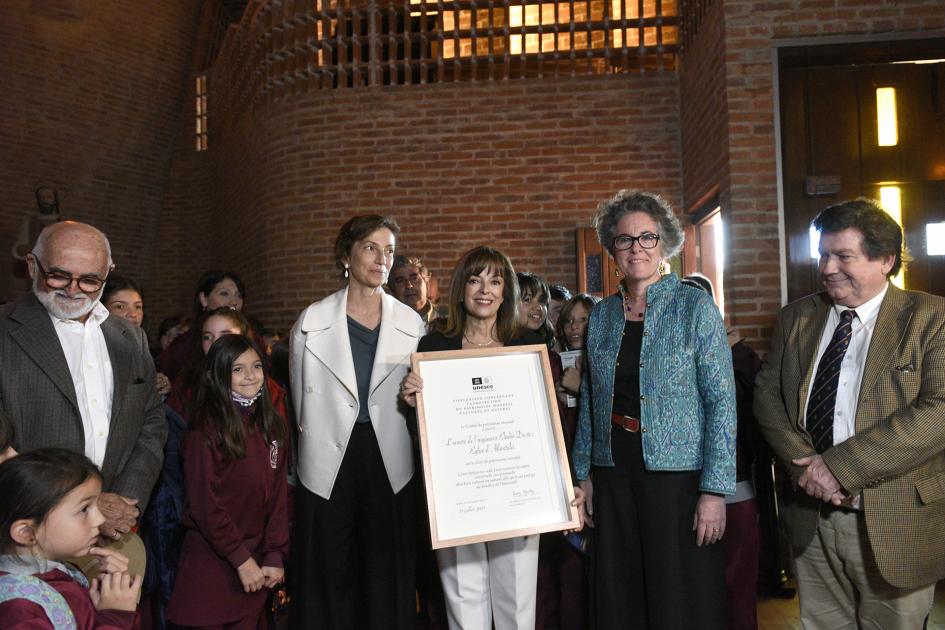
pixel 352 560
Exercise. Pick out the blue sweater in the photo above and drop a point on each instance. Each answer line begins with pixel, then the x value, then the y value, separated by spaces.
pixel 687 387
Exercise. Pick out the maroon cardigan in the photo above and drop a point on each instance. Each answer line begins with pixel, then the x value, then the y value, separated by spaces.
pixel 235 510
pixel 20 614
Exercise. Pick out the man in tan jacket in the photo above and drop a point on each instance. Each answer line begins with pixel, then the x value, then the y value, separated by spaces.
pixel 852 397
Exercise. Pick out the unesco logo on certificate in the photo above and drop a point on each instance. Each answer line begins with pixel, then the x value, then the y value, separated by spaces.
pixel 480 383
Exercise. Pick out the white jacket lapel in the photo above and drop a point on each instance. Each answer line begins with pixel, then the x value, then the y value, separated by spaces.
pixel 396 340
pixel 326 337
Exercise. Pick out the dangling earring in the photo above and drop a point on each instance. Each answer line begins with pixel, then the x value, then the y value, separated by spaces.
pixel 346 270
pixel 664 267
pixel 617 272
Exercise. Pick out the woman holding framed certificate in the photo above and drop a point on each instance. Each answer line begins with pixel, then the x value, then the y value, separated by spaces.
pixel 352 554
pixel 656 432
pixel 495 581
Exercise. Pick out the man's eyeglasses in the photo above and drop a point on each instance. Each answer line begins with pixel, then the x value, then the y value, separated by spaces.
pixel 647 240
pixel 61 280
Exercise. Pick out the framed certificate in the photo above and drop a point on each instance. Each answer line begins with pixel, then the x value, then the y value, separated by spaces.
pixel 494 459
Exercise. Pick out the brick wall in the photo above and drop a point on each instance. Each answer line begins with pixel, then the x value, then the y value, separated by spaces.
pixel 96 93
pixel 703 109
pixel 91 92
pixel 182 235
pixel 748 178
pixel 517 165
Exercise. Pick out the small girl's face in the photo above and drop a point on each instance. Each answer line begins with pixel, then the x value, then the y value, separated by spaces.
pixel 71 528
pixel 127 304
pixel 247 375
pixel 214 328
pixel 575 327
pixel 534 311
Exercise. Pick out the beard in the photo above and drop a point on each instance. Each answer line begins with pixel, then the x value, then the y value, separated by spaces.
pixel 60 305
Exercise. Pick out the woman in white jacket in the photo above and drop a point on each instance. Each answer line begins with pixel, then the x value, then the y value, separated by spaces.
pixel 353 542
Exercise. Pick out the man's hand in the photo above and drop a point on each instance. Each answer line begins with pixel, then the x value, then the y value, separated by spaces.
pixel 121 514
pixel 818 481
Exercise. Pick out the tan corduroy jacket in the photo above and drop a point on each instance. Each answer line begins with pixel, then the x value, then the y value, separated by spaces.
pixel 897 456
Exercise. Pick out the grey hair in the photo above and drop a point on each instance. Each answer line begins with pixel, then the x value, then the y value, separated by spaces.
pixel 39 248
pixel 623 203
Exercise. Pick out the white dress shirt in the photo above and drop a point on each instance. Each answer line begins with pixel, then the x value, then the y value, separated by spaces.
pixel 851 370
pixel 91 368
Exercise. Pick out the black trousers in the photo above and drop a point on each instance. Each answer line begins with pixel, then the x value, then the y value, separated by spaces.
pixel 647 572
pixel 353 556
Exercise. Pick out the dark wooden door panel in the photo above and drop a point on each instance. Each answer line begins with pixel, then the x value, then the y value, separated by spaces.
pixel 829 128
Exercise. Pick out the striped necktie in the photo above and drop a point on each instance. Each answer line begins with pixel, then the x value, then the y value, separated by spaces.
pixel 823 397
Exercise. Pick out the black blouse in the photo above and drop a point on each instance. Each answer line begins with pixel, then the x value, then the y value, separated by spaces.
pixel 627 372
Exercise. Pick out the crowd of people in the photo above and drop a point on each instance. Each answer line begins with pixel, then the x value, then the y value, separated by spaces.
pixel 234 475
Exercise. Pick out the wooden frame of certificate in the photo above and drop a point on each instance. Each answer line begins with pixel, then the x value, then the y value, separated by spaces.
pixel 494 461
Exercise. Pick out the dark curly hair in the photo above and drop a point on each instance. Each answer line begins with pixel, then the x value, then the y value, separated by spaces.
pixel 882 236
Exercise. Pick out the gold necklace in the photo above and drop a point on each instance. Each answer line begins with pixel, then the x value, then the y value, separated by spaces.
pixel 478 345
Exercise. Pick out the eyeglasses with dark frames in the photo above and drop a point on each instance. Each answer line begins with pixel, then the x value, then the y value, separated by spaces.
pixel 57 279
pixel 647 240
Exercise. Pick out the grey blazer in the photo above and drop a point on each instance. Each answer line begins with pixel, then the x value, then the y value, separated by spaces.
pixel 325 393
pixel 38 396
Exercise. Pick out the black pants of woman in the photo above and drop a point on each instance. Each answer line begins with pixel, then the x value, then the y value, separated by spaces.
pixel 647 572
pixel 352 560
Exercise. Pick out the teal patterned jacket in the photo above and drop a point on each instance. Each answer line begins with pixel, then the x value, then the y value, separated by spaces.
pixel 687 387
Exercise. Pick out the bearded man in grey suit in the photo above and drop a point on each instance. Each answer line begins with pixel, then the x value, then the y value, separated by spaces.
pixel 73 376
pixel 852 397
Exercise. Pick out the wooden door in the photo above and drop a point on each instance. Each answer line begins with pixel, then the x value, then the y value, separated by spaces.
pixel 596 270
pixel 829 132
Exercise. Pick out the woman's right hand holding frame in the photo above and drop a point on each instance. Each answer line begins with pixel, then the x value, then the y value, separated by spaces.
pixel 410 387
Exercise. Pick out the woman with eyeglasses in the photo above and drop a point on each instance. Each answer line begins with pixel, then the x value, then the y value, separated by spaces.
pixel 655 442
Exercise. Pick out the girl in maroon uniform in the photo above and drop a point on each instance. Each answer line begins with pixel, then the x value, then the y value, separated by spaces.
pixel 236 518
pixel 48 514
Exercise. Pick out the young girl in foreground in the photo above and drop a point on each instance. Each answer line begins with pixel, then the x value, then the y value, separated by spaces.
pixel 48 514
pixel 236 517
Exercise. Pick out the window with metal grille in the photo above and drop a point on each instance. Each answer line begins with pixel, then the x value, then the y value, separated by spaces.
pixel 357 43
pixel 200 107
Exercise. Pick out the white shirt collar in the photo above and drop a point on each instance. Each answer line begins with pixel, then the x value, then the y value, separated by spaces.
pixel 868 310
pixel 98 315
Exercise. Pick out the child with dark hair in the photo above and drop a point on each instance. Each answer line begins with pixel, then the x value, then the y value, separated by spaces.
pixel 236 515
pixel 48 514
pixel 559 295
pixel 534 310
